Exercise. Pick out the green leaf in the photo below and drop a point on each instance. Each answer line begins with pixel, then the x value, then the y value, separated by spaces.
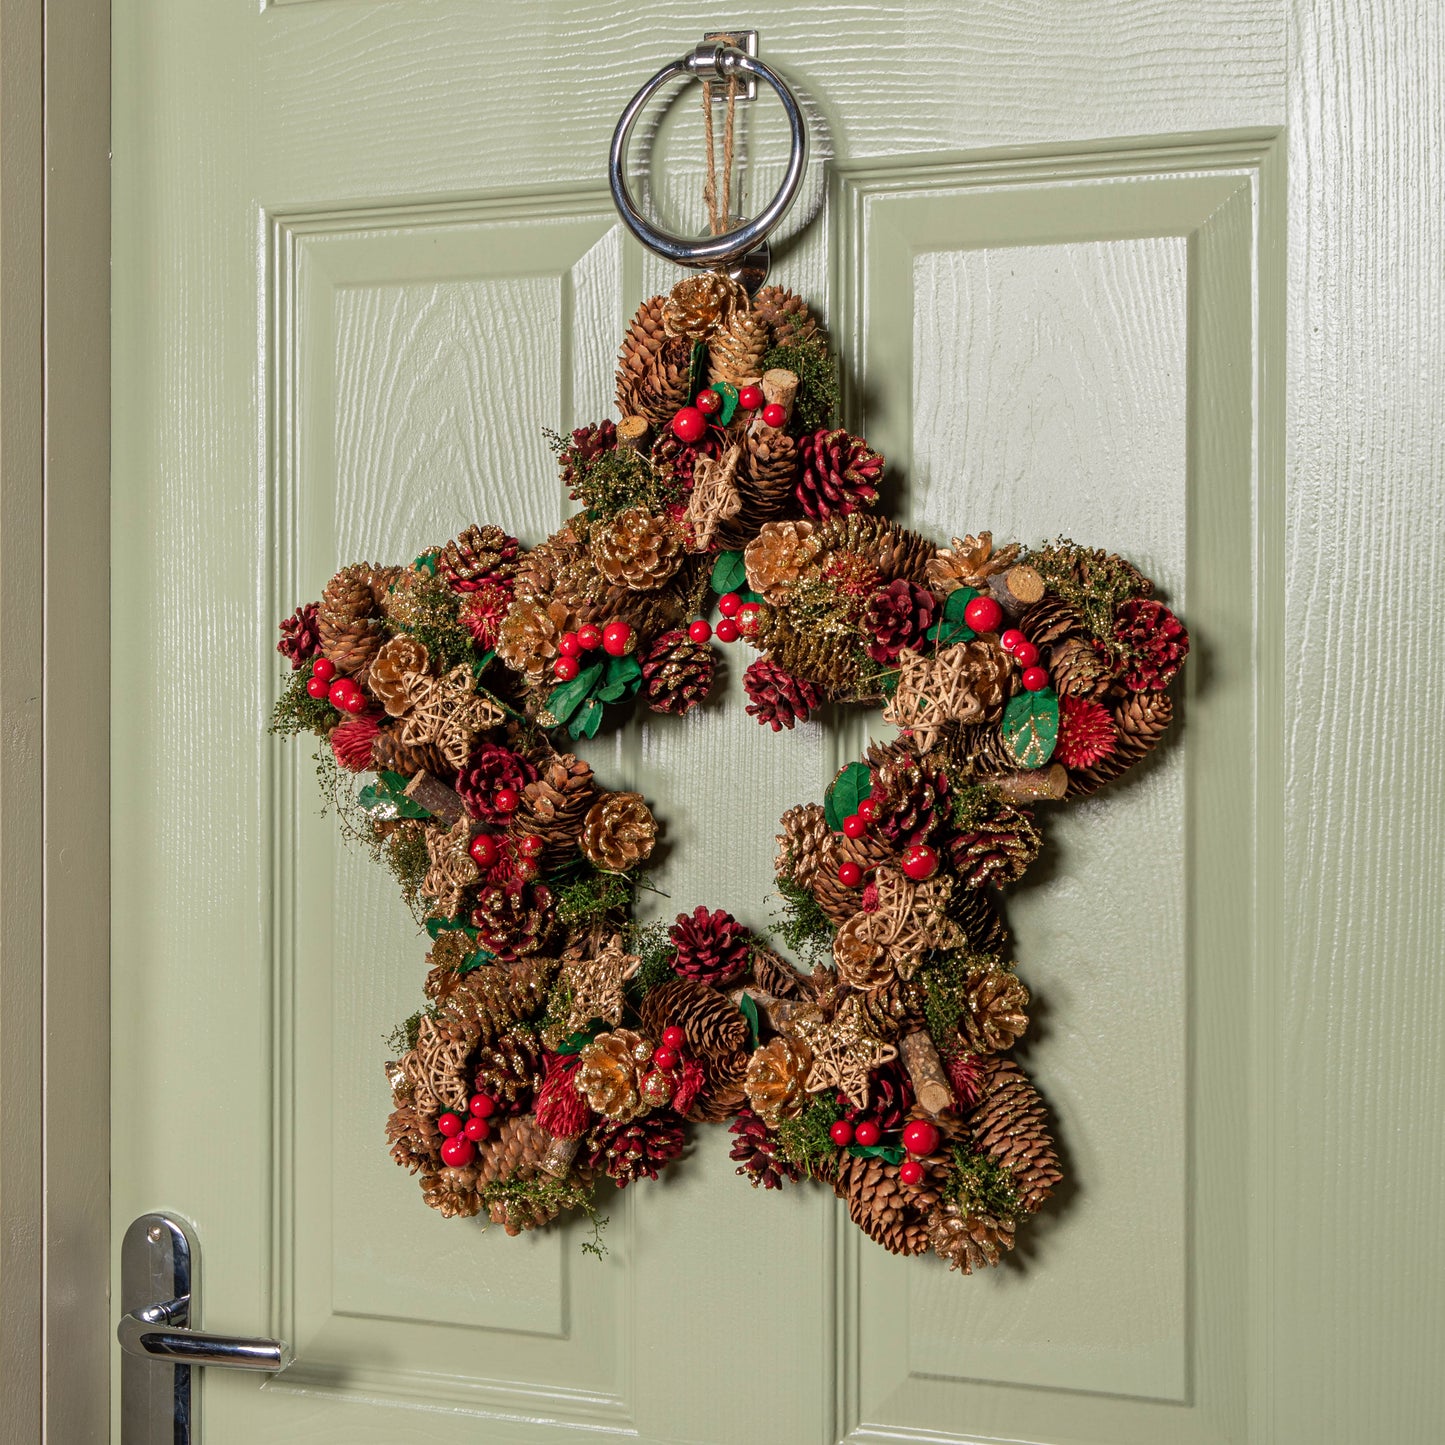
pixel 1031 727
pixel 585 723
pixel 625 670
pixel 951 627
pixel 745 596
pixel 427 563
pixel 889 1153
pixel 480 665
pixel 729 394
pixel 697 371
pixel 438 926
pixel 389 791
pixel 566 699
pixel 750 1013
pixel 849 789
pixel 728 573
pixel 575 1043
pixel 476 960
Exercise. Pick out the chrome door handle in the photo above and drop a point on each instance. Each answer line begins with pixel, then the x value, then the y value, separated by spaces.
pixel 158 1294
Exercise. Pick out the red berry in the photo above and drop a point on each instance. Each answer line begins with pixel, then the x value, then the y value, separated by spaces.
pixel 689 424
pixel 1010 639
pixel 674 1037
pixel 850 875
pixel 750 398
pixel 748 619
pixel 869 810
pixel 338 690
pixel 482 1106
pixel 505 800
pixel 855 825
pixel 920 1137
pixel 911 1172
pixel 458 1153
pixel 323 668
pixel 570 645
pixel 665 1058
pixel 565 669
pixel 728 630
pixel 484 850
pixel 729 603
pixel 617 639
pixel 920 861
pixel 841 1133
pixel 316 686
pixel 1026 654
pixel 700 630
pixel 449 1124
pixel 478 1130
pixel 1035 678
pixel 983 614
pixel 866 1132
pixel 590 637
pixel 708 402
pixel 529 845
pixel 527 869
pixel 774 415
pixel 354 701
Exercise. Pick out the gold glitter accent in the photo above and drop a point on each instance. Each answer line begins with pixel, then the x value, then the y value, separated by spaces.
pixel 845 1048
pixel 447 712
pixel 452 870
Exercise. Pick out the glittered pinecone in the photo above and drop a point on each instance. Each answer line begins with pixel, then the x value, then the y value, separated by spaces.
pixel 757 1154
pixel 1078 668
pixel 493 1000
pixel 652 367
pixel 514 920
pixel 413 1137
pixel 975 913
pixel 712 948
pixel 969 1240
pixel 638 1150
pixel 888 1211
pixel 527 640
pixel 802 843
pixel 348 617
pixel 786 316
pixel 776 698
pixel 997 1013
pixel 1153 643
pixel 776 1073
pixel 777 557
pixel 390 755
pixel 910 792
pixel 735 350
pixel 638 549
pixel 677 672
pixel 539 568
pixel 490 768
pixel 1049 621
pixel 300 640
pixel 396 663
pixel 861 960
pixel 970 562
pixel 979 751
pixel 838 474
pixel 1087 734
pixel 452 1192
pixel 618 832
pixel 587 444
pixel 712 1022
pixel 478 555
pixel 554 805
pixel 892 551
pixel 699 304
pixel 896 618
pixel 1139 722
pixel 811 655
pixel 510 1070
pixel 997 850
pixel 1010 1126
pixel 610 1074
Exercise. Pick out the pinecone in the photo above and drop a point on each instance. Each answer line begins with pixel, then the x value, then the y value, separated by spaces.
pixel 712 948
pixel 514 920
pixel 778 556
pixel 712 1022
pixel 735 350
pixel 970 562
pixel 775 1078
pixel 811 655
pixel 896 618
pixel 638 550
pixel 802 844
pixel 724 1093
pixel 640 1149
pixel 618 832
pixel 554 806
pixel 452 1192
pixel 775 975
pixel 493 1000
pixel 759 1159
pixel 1050 620
pixel 610 1074
pixel 478 555
pixel 539 568
pixel 888 1211
pixel 765 477
pixel 1010 1126
pixel 348 617
pixel 892 551
pixel 390 755
pixel 890 1099
pixel 997 1015
pixel 969 1241
pixel 786 316
pixel 700 304
pixel 491 768
pixel 997 850
pixel 1140 721
pixel 510 1070
pixel 839 474
pixel 300 640
pixel 677 672
pixel 838 901
pixel 397 661
pixel 527 641
pixel 1153 642
pixel 1086 733
pixel 415 1140
pixel 1077 668
pixel 911 792
pixel 675 461
pixel 974 911
pixel 978 751
pixel 776 698
pixel 648 366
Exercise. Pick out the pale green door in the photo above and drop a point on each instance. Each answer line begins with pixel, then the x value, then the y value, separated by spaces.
pixel 363 255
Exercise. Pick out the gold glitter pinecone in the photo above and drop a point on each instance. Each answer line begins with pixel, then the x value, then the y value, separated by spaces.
pixel 618 832
pixel 698 305
pixel 1049 620
pixel 833 663
pixel 862 963
pixel 777 557
pixel 969 562
pixel 477 553
pixel 969 1241
pixel 397 661
pixel 977 916
pixel 1141 720
pixel 452 1192
pixel 510 1069
pixel 893 550
pixel 775 1079
pixel 390 755
pixel 414 1138
pixel 735 350
pixel 348 617
pixel 1078 669
pixel 528 639
pixel 554 806
pixel 802 844
pixel 610 1074
pixel 1010 1125
pixel 496 998
pixel 997 1015
pixel 712 1022
pixel 786 315
pixel 888 1211
pixel 638 549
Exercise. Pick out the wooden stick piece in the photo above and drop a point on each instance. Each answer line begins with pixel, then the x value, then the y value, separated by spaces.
pixel 925 1068
pixel 439 800
pixel 632 432
pixel 1017 588
pixel 560 1154
pixel 1034 785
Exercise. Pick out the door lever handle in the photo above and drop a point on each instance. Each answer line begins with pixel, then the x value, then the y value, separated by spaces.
pixel 161 1332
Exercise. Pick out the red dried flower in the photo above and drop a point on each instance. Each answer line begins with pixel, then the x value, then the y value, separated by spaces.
pixel 1153 641
pixel 711 947
pixel 560 1109
pixel 588 443
pixel 965 1076
pixel 351 741
pixel 486 609
pixel 300 640
pixel 691 1081
pixel 1086 732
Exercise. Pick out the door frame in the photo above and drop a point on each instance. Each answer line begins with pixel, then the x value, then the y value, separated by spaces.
pixel 54 719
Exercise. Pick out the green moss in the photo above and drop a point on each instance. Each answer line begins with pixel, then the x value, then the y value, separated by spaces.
pixel 402 1039
pixel 1092 582
pixel 978 1185
pixel 817 401
pixel 404 853
pixel 805 1140
pixel 614 479
pixel 593 896
pixel 296 711
pixel 944 981
pixel 802 924
pixel 973 804
pixel 651 943
pixel 553 1196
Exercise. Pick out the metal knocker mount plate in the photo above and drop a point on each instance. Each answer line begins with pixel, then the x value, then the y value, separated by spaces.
pixel 737 248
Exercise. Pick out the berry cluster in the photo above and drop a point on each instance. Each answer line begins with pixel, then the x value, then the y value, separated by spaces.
pixel 616 639
pixel 919 861
pixel 341 692
pixel 920 1139
pixel 463 1135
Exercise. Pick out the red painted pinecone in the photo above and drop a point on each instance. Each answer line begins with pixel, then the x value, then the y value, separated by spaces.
pixel 912 795
pixel 1154 644
pixel 479 555
pixel 625 1152
pixel 711 947
pixel 896 618
pixel 997 849
pixel 588 443
pixel 512 920
pixel 300 640
pixel 677 672
pixel 890 1097
pixel 838 474
pixel 777 698
pixel 490 768
pixel 672 456
pixel 758 1156
pixel 486 609
pixel 1087 733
